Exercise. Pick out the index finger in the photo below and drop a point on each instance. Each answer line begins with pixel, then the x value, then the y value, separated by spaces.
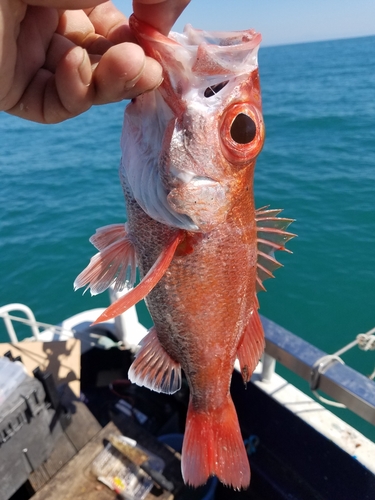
pixel 110 23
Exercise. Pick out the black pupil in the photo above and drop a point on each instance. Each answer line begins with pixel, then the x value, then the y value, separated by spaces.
pixel 243 129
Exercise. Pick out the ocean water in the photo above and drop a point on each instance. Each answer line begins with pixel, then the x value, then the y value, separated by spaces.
pixel 59 183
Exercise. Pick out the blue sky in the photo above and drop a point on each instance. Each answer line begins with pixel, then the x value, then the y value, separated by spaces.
pixel 280 21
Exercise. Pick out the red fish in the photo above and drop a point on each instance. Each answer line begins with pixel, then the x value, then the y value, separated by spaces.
pixel 203 251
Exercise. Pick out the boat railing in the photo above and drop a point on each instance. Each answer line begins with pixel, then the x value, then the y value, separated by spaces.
pixel 36 327
pixel 10 318
pixel 324 372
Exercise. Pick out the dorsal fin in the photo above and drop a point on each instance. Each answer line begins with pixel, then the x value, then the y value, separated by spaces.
pixel 271 236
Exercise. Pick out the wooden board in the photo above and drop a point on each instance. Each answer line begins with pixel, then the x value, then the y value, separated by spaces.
pixel 61 358
pixel 75 480
pixel 83 427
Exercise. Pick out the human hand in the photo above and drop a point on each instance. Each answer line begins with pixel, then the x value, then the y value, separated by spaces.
pixel 55 63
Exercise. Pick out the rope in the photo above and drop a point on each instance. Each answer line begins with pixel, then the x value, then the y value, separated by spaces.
pixel 319 367
pixel 58 329
pixel 328 401
pixel 365 341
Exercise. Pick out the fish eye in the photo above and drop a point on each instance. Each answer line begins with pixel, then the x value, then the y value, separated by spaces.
pixel 243 129
pixel 214 89
pixel 241 132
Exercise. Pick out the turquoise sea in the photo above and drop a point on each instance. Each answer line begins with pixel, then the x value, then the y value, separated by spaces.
pixel 59 183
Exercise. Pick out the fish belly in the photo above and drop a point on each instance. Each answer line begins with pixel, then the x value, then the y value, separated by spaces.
pixel 202 304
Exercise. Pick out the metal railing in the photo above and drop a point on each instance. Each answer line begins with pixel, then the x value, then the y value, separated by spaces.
pixel 325 372
pixel 9 318
pixel 37 328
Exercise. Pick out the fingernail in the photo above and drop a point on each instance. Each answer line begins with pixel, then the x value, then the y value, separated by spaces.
pixel 154 88
pixel 138 92
pixel 84 69
pixel 158 85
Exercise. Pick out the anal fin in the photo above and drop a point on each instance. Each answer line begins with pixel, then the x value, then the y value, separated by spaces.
pixel 251 346
pixel 154 368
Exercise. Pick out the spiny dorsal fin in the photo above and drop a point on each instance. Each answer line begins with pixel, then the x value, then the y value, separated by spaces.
pixel 271 236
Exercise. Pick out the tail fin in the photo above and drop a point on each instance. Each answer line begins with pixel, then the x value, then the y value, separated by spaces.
pixel 213 445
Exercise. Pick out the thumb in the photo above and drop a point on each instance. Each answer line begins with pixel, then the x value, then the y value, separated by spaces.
pixel 161 14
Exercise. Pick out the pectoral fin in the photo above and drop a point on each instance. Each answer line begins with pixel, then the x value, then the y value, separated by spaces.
pixel 106 235
pixel 151 279
pixel 114 264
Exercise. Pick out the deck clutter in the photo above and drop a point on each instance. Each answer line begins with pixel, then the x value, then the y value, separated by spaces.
pixel 51 445
pixel 52 439
pixel 31 422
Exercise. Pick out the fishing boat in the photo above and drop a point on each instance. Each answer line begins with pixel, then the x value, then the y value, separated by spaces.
pixel 297 448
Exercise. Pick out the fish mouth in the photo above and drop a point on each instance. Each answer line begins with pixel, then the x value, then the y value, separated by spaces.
pixel 203 199
pixel 187 177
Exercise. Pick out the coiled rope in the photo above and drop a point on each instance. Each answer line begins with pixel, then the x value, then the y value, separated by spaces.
pixel 365 341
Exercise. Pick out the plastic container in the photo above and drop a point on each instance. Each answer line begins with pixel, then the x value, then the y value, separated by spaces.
pixel 175 441
pixel 12 374
pixel 28 430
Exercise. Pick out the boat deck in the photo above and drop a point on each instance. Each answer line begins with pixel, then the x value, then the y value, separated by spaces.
pixel 75 479
pixel 297 449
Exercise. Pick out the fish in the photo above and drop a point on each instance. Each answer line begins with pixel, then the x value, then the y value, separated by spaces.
pixel 202 249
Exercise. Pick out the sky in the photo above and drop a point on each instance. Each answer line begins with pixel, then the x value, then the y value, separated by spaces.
pixel 280 21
